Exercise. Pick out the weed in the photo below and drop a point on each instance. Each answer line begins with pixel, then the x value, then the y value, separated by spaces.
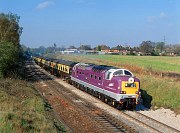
pixel 60 128
pixel 23 108
pixel 47 106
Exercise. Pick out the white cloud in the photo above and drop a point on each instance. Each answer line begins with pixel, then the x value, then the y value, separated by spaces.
pixel 45 4
pixel 156 17
pixel 162 15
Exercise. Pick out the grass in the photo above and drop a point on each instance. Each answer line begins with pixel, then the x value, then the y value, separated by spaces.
pixel 160 63
pixel 165 92
pixel 157 63
pixel 22 109
pixel 156 91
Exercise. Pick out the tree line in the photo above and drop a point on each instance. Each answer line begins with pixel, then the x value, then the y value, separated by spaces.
pixel 146 48
pixel 10 33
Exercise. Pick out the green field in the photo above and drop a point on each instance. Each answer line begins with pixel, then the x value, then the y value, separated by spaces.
pixel 159 63
pixel 157 91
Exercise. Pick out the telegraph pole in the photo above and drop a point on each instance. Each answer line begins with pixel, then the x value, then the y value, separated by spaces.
pixel 164 40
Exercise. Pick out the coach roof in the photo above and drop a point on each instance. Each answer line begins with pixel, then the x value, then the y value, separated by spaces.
pixel 65 62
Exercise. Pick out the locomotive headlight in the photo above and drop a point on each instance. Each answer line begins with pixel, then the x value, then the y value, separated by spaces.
pixel 131 80
pixel 137 92
pixel 122 92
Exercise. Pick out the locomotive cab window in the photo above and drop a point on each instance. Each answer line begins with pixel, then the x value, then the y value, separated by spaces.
pixel 133 85
pixel 118 73
pixel 108 75
pixel 127 73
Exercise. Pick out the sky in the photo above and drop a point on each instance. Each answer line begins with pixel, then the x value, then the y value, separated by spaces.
pixel 95 22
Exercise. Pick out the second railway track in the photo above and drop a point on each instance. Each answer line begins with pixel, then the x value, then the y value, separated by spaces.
pixel 158 126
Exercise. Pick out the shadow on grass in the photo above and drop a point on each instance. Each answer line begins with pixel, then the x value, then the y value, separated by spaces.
pixel 146 99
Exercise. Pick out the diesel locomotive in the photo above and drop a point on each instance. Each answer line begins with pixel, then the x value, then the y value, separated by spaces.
pixel 115 86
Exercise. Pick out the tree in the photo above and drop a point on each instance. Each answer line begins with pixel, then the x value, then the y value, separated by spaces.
pixel 177 49
pixel 10 30
pixel 85 47
pixel 160 46
pixel 8 57
pixel 72 47
pixel 105 47
pixel 147 47
pixel 118 47
pixel 102 47
pixel 98 48
pixel 48 50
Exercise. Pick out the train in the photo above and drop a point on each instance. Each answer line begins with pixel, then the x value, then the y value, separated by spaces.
pixel 115 86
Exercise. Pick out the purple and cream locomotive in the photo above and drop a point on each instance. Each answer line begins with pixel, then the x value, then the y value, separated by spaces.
pixel 117 86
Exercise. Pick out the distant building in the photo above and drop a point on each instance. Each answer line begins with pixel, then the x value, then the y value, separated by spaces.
pixel 70 51
pixel 90 52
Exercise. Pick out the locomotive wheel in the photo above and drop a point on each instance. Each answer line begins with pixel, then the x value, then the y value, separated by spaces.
pixel 118 106
pixel 102 98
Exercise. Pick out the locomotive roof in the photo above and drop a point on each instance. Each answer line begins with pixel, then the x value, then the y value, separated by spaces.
pixel 94 67
pixel 84 65
pixel 102 67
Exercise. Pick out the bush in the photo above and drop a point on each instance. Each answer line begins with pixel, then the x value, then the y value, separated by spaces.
pixel 8 57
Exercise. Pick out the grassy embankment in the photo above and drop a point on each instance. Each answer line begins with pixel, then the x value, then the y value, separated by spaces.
pixel 23 110
pixel 165 92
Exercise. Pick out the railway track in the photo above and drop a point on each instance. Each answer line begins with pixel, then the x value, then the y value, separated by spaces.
pixel 152 123
pixel 95 113
pixel 107 118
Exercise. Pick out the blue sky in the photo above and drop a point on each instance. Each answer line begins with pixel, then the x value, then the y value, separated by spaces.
pixel 93 22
